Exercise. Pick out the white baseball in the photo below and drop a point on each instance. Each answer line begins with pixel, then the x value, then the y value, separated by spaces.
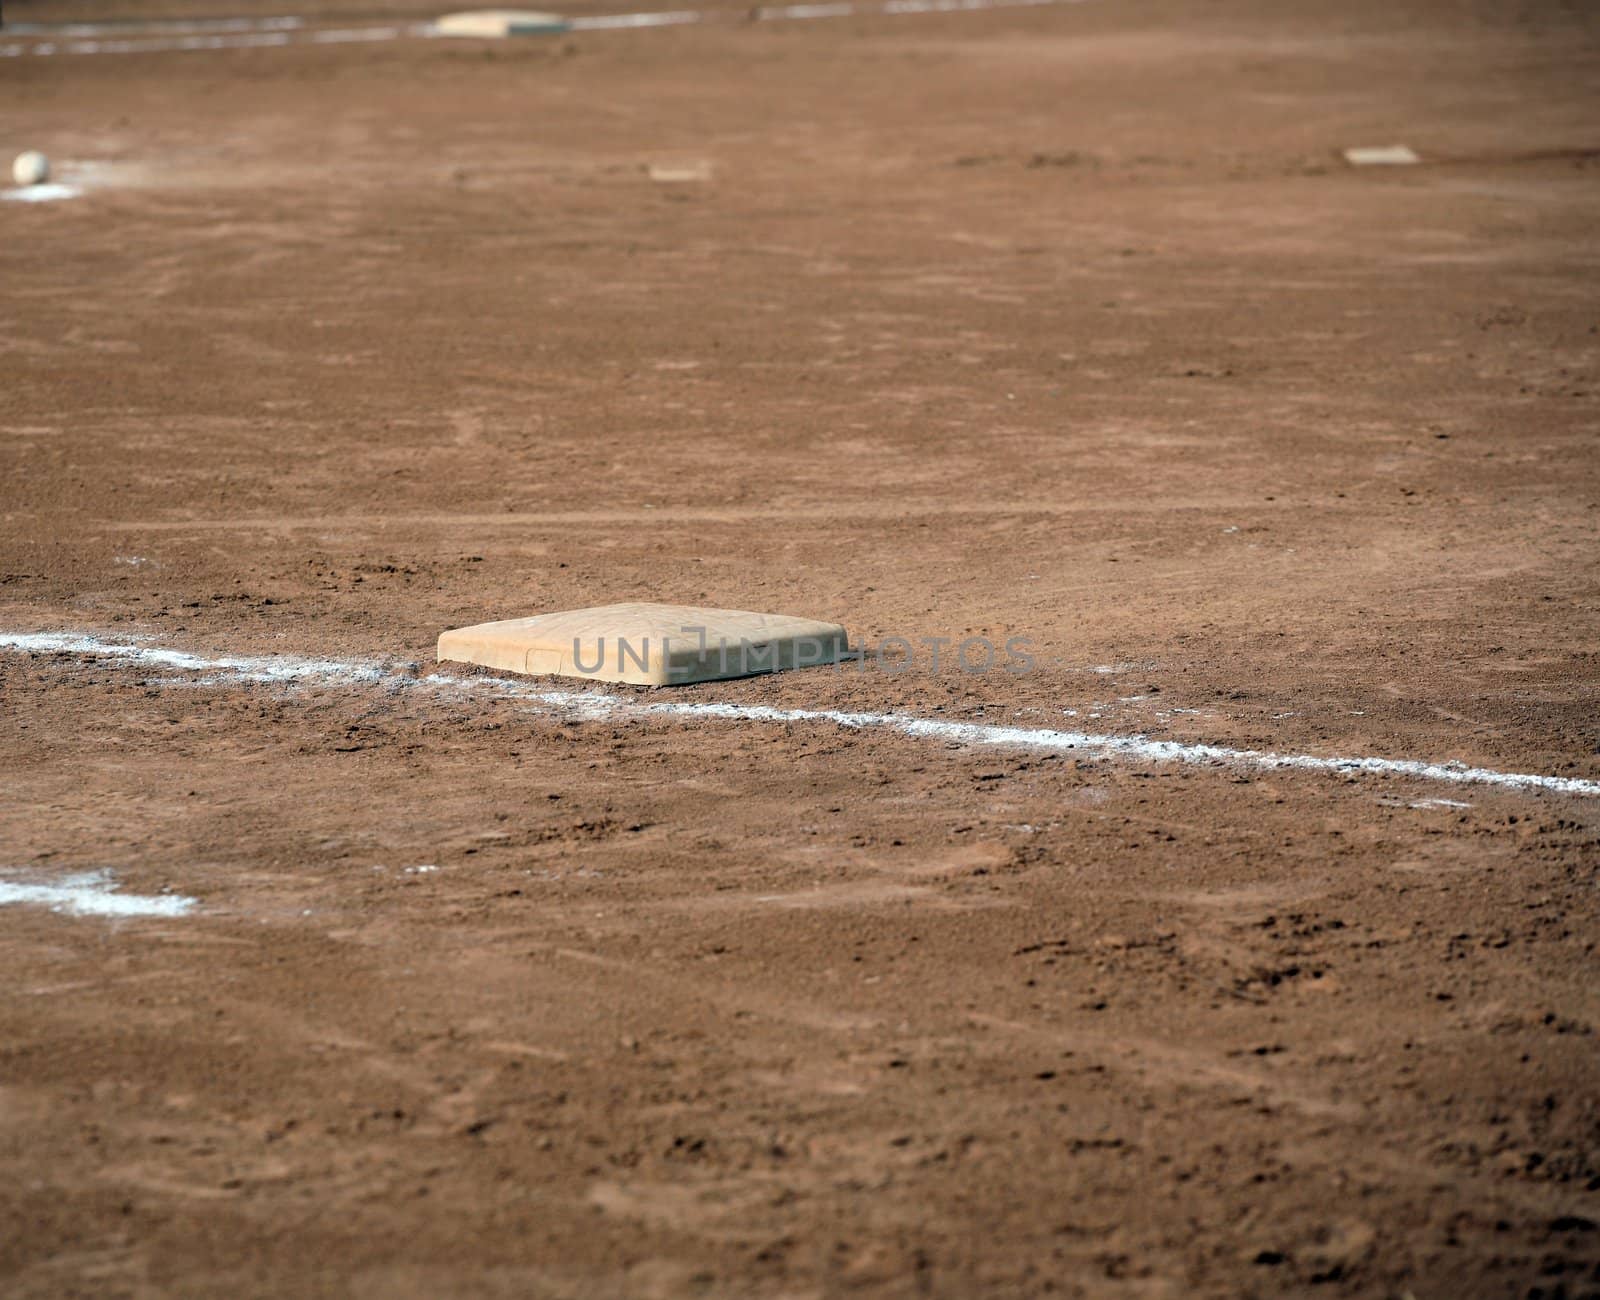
pixel 31 168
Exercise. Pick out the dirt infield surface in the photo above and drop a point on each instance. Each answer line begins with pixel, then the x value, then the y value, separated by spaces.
pixel 1064 323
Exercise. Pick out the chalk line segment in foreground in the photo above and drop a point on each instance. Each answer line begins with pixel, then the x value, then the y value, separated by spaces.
pixel 90 893
pixel 293 671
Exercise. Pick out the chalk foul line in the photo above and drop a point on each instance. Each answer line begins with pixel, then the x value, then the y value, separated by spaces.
pixel 267 33
pixel 293 671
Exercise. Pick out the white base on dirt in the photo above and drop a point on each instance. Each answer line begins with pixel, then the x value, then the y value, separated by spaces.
pixel 30 168
pixel 493 24
pixel 1383 155
pixel 648 645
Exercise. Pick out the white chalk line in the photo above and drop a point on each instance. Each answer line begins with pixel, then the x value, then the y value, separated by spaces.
pixel 168 26
pixel 620 22
pixel 228 41
pixel 47 192
pixel 271 33
pixel 92 893
pixel 289 670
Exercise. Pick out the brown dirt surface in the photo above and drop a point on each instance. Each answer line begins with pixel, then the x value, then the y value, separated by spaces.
pixel 1067 323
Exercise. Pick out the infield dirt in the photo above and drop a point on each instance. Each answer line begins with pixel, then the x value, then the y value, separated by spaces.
pixel 1065 323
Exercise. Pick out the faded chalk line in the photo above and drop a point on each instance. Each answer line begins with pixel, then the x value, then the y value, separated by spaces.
pixel 269 33
pixel 289 670
pixel 48 192
pixel 91 893
pixel 179 26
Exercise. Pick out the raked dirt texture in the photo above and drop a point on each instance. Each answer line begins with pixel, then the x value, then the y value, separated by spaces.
pixel 1242 942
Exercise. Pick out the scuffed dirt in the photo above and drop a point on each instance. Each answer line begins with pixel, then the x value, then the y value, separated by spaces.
pixel 1064 323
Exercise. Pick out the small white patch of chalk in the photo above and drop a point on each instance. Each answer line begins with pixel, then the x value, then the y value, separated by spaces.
pixel 679 174
pixel 1384 155
pixel 1439 803
pixel 50 192
pixel 92 893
